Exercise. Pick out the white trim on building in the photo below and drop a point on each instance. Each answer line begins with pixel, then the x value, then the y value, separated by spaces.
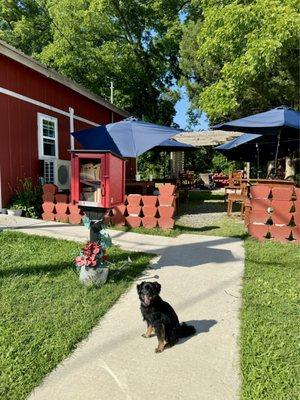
pixel 44 105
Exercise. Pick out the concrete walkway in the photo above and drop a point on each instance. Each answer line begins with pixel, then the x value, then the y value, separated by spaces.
pixel 201 277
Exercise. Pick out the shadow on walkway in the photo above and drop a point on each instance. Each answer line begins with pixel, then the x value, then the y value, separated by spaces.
pixel 195 254
pixel 201 326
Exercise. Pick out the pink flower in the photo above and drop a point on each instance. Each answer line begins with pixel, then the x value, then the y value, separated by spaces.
pixel 80 261
pixel 96 250
pixel 93 263
pixel 91 254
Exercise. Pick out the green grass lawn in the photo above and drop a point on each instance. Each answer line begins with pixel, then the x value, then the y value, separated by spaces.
pixel 44 310
pixel 270 322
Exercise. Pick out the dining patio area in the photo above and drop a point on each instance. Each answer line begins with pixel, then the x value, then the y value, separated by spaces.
pixel 153 201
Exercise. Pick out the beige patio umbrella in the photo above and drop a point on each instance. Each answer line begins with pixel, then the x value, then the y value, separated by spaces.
pixel 206 138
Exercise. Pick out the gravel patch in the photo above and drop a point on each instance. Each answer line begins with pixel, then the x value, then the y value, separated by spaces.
pixel 198 215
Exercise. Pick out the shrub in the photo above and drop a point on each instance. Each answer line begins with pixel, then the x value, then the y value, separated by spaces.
pixel 28 196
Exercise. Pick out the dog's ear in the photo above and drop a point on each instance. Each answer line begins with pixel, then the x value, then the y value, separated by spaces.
pixel 158 287
pixel 139 288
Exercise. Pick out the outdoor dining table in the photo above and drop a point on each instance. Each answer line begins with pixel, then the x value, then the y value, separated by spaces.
pixel 270 182
pixel 139 187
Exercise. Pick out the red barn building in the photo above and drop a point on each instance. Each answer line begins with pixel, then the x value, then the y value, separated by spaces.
pixel 38 109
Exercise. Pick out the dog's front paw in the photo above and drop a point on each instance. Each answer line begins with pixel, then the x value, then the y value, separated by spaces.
pixel 145 336
pixel 159 350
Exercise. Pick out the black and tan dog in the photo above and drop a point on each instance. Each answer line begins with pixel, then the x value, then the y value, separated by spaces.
pixel 161 317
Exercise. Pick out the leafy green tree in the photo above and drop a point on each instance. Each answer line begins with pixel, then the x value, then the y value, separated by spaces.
pixel 199 160
pixel 241 57
pixel 206 159
pixel 25 25
pixel 134 43
pixel 154 163
pixel 221 163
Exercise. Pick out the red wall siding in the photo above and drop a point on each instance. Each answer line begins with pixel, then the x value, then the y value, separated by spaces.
pixel 23 80
pixel 18 121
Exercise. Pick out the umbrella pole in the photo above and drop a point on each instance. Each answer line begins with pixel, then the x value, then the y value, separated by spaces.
pixel 277 151
pixel 257 159
pixel 136 170
pixel 165 166
pixel 247 167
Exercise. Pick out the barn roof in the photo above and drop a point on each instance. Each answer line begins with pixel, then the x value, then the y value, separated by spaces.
pixel 29 62
pixel 206 138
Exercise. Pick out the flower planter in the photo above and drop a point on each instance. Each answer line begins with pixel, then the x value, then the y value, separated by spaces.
pixel 14 213
pixel 93 275
pixel 92 260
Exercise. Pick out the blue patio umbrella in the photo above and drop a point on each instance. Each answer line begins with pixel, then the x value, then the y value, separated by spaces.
pixel 234 145
pixel 282 122
pixel 128 138
pixel 268 122
pixel 245 148
pixel 252 147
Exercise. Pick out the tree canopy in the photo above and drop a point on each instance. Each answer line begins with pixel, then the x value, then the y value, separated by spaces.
pixel 134 43
pixel 25 25
pixel 241 57
pixel 235 57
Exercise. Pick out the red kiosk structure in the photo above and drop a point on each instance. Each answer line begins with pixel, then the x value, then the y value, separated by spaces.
pixel 98 184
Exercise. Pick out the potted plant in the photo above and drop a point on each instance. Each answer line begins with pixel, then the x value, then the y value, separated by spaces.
pixel 15 210
pixel 28 195
pixel 92 262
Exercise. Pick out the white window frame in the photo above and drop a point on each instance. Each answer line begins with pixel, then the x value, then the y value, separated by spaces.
pixel 41 118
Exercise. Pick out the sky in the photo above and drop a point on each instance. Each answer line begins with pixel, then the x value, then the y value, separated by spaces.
pixel 181 108
pixel 183 104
